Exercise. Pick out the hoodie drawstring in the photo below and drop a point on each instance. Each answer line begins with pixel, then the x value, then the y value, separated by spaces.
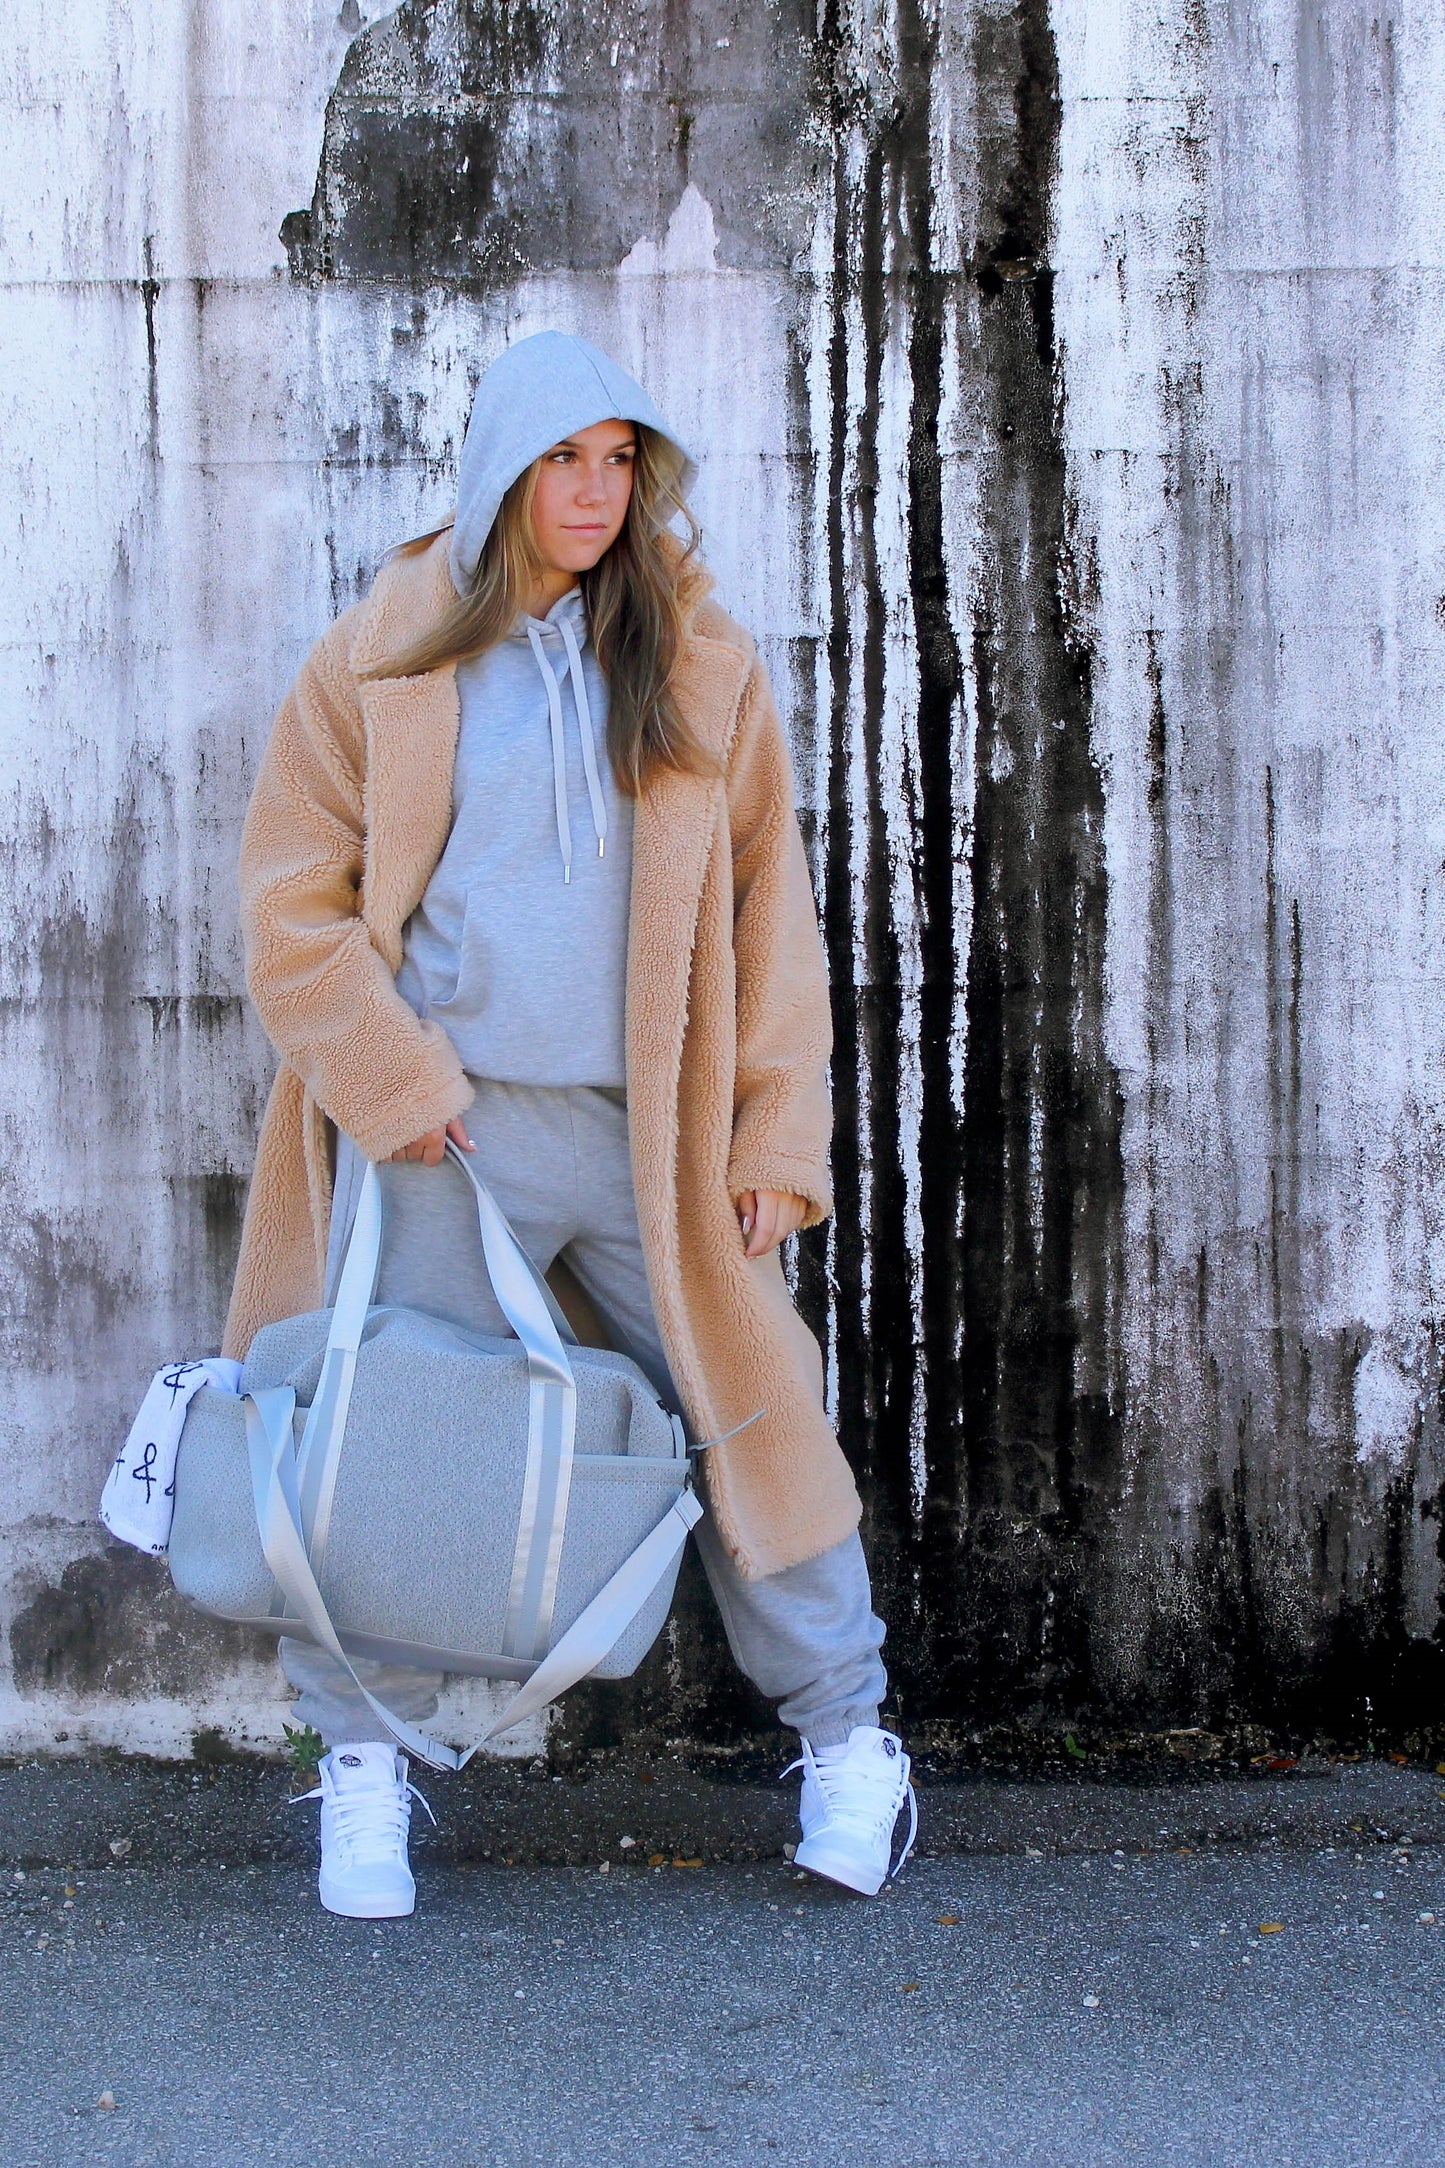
pixel 584 732
pixel 584 726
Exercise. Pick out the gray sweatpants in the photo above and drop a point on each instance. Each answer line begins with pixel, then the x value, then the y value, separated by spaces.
pixel 556 1159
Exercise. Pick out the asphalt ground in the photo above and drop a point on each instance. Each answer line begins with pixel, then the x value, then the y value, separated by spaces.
pixel 1278 2004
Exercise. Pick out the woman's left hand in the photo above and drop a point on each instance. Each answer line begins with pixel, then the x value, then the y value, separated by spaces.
pixel 767 1217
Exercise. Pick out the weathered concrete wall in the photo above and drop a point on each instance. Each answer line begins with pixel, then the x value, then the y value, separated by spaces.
pixel 1062 379
pixel 1249 248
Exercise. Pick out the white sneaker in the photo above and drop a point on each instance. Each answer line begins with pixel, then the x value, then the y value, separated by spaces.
pixel 851 1799
pixel 365 1815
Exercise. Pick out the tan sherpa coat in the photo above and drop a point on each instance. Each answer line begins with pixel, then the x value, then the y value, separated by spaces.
pixel 727 1028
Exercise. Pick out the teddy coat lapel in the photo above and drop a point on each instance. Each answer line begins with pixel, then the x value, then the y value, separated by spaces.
pixel 411 726
pixel 673 831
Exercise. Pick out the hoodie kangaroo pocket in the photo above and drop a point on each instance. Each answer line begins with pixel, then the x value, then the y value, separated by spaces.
pixel 465 998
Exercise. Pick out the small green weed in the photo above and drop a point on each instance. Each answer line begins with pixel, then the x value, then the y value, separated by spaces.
pixel 304 1748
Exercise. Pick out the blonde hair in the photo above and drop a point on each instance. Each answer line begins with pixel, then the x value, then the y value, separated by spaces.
pixel 633 604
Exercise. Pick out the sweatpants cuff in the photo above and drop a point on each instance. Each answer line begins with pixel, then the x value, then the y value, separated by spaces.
pixel 834 1730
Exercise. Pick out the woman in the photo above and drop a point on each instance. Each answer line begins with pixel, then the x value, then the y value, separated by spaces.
pixel 522 870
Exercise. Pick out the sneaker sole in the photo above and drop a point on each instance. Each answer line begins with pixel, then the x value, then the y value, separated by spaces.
pixel 366 1908
pixel 838 1867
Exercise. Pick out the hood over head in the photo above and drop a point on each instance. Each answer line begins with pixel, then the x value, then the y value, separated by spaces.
pixel 542 389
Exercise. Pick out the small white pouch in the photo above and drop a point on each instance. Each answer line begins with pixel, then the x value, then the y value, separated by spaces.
pixel 139 1495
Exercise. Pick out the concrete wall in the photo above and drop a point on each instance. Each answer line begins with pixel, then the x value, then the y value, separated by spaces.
pixel 1063 379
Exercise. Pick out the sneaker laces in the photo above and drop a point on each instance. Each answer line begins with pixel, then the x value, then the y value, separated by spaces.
pixel 370 1820
pixel 863 1796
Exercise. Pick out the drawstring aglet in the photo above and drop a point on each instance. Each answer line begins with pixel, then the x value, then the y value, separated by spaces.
pixel 567 874
pixel 601 846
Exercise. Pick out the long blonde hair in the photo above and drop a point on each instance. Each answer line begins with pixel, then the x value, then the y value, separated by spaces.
pixel 633 604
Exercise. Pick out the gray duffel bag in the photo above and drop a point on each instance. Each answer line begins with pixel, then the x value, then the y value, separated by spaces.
pixel 389 1485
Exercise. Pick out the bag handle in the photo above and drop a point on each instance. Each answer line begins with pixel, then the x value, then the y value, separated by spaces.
pixel 269 1415
pixel 520 1260
pixel 522 1293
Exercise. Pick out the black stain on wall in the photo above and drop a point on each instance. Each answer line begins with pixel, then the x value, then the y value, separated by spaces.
pixel 1009 1389
pixel 1042 1110
pixel 112 1624
pixel 81 951
pixel 469 142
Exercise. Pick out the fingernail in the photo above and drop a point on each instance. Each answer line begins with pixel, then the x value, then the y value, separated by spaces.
pixel 747 1226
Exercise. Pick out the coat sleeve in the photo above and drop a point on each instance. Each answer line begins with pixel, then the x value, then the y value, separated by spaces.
pixel 325 994
pixel 782 1120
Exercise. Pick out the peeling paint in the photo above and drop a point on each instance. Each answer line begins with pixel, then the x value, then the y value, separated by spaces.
pixel 470 142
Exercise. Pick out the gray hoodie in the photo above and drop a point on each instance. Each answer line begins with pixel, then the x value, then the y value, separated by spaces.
pixel 519 946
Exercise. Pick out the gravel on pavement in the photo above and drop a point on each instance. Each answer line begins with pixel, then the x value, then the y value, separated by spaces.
pixel 1264 2007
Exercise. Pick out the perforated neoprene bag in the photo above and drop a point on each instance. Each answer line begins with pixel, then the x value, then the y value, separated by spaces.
pixel 390 1485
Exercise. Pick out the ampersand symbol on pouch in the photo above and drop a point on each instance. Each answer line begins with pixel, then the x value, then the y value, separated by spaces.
pixel 142 1474
pixel 173 1379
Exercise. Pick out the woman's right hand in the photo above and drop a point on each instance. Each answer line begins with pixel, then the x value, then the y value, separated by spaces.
pixel 431 1149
